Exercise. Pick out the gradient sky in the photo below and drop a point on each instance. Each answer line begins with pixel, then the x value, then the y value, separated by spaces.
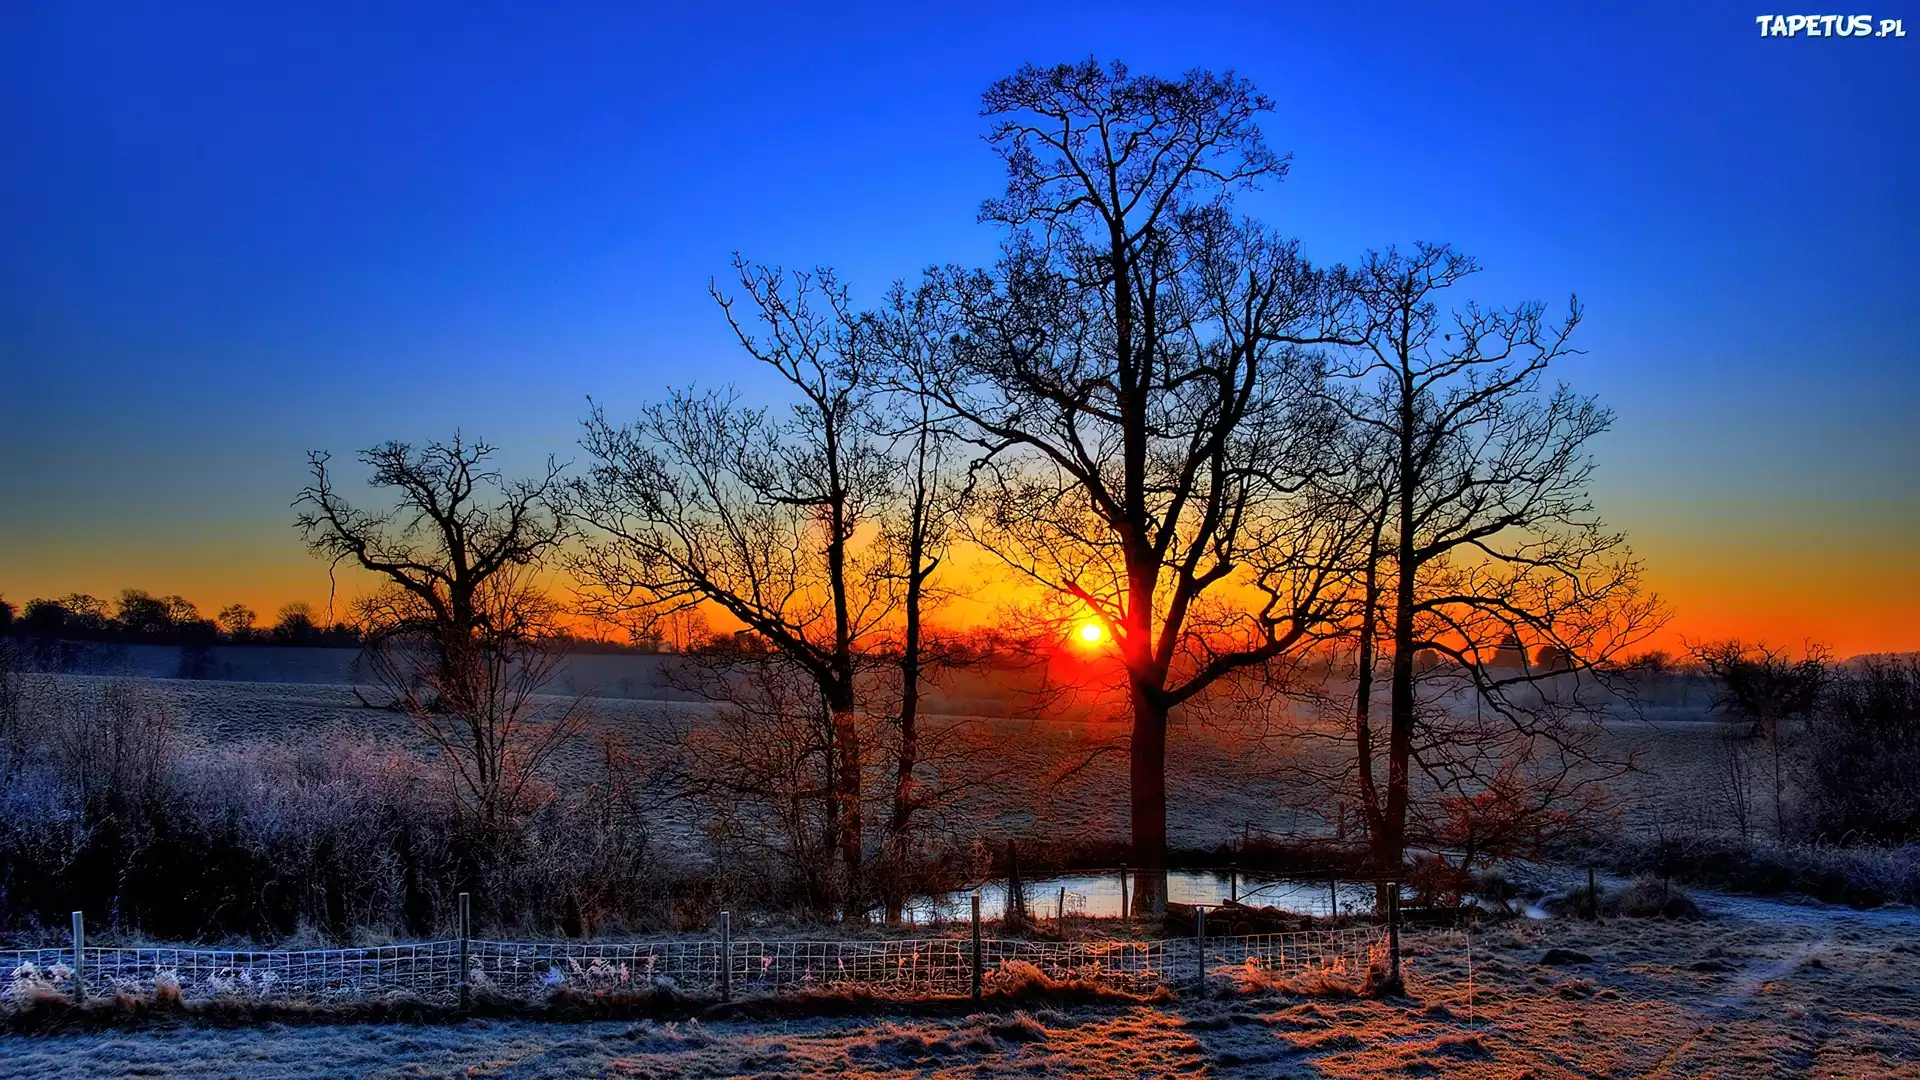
pixel 229 234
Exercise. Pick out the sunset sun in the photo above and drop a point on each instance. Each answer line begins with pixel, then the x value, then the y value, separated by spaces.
pixel 1091 632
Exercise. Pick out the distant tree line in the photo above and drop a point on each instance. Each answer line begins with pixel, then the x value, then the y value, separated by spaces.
pixel 139 617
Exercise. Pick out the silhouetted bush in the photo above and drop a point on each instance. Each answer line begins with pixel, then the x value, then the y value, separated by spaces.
pixel 1649 898
pixel 1861 770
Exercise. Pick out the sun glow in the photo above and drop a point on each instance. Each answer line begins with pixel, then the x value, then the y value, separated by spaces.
pixel 1091 632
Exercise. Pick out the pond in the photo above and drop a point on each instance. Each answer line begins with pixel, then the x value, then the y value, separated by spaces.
pixel 1098 895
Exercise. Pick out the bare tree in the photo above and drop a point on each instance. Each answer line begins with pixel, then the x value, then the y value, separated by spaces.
pixel 446 537
pixel 1736 782
pixel 764 770
pixel 1133 374
pixel 702 501
pixel 483 699
pixel 909 341
pixel 1482 542
pixel 1770 691
pixel 460 639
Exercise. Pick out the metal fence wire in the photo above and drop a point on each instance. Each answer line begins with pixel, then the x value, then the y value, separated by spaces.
pixel 693 966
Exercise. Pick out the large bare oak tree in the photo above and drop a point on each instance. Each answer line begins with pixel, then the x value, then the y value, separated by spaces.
pixel 1133 373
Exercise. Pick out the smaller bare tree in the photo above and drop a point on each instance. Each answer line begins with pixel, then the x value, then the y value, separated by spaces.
pixel 482 700
pixel 1483 544
pixel 1771 691
pixel 461 640
pixel 764 772
pixel 705 503
pixel 908 340
pixel 1736 782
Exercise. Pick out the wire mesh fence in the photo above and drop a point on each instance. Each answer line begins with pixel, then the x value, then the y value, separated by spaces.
pixel 692 966
pixel 429 970
pixel 1350 951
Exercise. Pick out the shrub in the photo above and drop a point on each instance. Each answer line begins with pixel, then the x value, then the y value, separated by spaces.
pixel 1862 768
pixel 1860 877
pixel 344 839
pixel 1647 898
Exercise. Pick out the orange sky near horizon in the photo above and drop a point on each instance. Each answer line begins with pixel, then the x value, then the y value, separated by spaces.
pixel 1805 578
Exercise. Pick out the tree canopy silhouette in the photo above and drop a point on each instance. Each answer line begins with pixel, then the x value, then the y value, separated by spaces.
pixel 1133 374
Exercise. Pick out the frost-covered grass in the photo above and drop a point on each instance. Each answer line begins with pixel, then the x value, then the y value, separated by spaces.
pixel 265 818
pixel 1861 876
pixel 1824 993
pixel 1059 777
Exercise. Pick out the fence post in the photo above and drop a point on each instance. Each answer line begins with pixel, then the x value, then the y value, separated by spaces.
pixel 976 944
pixel 1333 898
pixel 79 959
pixel 466 954
pixel 1125 911
pixel 1393 929
pixel 1233 880
pixel 1015 909
pixel 1200 940
pixel 726 956
pixel 1469 978
pixel 1060 909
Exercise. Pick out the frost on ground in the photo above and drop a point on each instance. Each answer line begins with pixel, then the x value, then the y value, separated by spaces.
pixel 1047 778
pixel 1739 996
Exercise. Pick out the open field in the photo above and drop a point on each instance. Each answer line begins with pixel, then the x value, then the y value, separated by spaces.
pixel 1762 989
pixel 1060 777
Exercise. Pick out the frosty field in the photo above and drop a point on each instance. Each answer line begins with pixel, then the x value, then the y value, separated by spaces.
pixel 1057 776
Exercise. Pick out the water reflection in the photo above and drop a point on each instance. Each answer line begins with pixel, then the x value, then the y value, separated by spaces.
pixel 1099 895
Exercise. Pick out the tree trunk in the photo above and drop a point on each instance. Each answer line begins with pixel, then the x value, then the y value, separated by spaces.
pixel 1371 812
pixel 846 739
pixel 897 830
pixel 1779 816
pixel 1390 841
pixel 1148 788
pixel 1364 661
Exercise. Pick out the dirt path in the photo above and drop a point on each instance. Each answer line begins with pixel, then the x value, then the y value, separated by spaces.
pixel 1740 996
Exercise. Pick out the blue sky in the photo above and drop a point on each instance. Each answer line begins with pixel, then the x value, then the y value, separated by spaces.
pixel 231 233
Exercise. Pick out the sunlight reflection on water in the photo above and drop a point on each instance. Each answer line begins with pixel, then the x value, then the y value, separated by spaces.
pixel 1098 895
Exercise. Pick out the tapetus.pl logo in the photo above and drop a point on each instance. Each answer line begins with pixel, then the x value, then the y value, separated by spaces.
pixel 1813 26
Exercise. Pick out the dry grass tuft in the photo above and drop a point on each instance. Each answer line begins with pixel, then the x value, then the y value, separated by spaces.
pixel 1014 983
pixel 1322 985
pixel 1649 898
